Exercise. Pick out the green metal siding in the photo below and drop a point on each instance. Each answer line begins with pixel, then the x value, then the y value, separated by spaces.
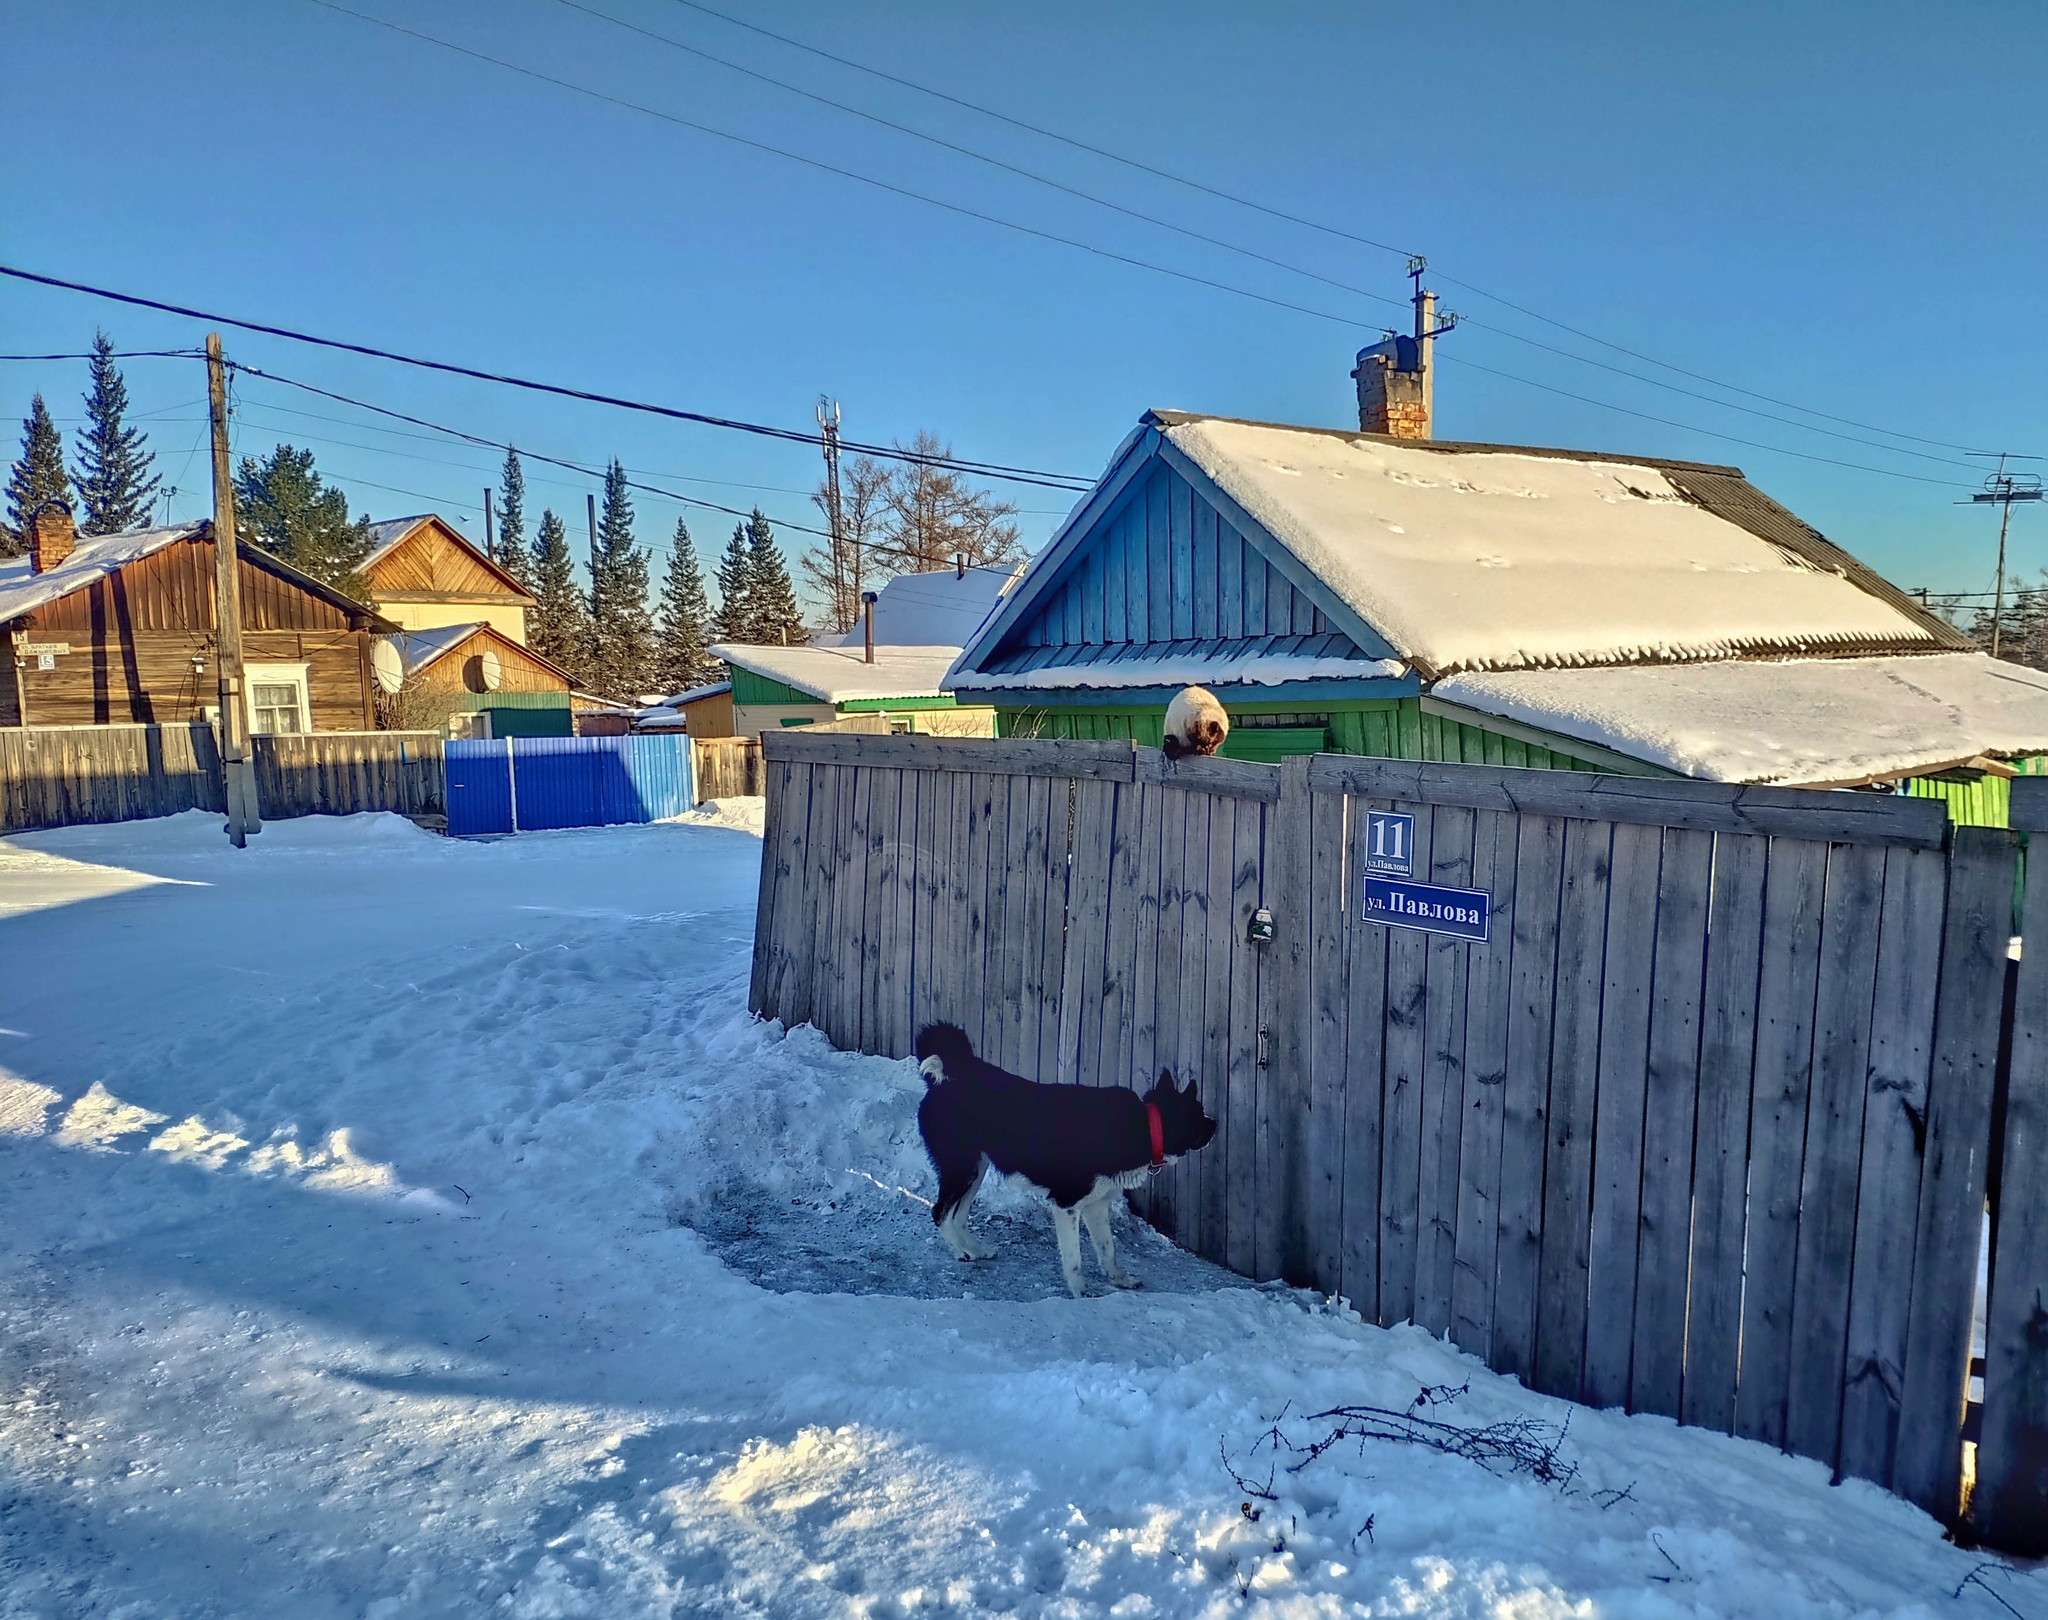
pixel 1395 728
pixel 748 687
pixel 1983 803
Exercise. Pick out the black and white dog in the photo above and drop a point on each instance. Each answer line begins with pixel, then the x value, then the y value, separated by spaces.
pixel 1080 1144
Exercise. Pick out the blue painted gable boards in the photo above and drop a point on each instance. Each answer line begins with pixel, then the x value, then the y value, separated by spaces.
pixel 1158 554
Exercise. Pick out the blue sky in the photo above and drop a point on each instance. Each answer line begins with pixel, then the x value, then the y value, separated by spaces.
pixel 1828 204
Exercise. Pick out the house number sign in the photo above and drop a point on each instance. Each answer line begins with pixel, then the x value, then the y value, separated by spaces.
pixel 1393 897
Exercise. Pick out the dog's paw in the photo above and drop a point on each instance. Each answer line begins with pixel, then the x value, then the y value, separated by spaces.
pixel 1123 1279
pixel 980 1251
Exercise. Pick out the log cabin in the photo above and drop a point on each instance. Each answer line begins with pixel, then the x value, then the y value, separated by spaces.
pixel 474 680
pixel 120 628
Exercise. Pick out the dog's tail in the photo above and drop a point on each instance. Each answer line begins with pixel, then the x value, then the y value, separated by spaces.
pixel 943 1049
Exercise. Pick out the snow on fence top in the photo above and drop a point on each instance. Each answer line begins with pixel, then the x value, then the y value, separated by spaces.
pixel 1497 558
pixel 1796 722
pixel 840 674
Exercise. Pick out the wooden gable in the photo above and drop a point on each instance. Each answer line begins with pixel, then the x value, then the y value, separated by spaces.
pixel 521 669
pixel 1162 558
pixel 433 563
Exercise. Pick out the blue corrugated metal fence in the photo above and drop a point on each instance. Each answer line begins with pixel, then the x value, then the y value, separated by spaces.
pixel 524 784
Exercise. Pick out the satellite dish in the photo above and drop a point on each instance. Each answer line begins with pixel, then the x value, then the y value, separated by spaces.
pixel 483 673
pixel 387 666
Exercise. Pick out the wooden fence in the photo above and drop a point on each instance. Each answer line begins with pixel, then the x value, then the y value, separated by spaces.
pixel 1703 1126
pixel 57 776
pixel 727 767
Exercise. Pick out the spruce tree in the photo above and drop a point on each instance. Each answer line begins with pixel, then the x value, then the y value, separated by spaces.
pixel 776 620
pixel 621 627
pixel 115 485
pixel 37 477
pixel 735 619
pixel 283 505
pixel 513 555
pixel 559 628
pixel 680 659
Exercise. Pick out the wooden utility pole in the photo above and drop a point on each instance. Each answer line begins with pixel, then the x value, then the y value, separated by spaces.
pixel 490 541
pixel 828 426
pixel 238 770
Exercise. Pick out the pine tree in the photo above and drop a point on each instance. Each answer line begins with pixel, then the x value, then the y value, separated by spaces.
pixel 115 485
pixel 621 627
pixel 284 506
pixel 37 477
pixel 559 627
pixel 735 619
pixel 513 555
pixel 680 659
pixel 776 620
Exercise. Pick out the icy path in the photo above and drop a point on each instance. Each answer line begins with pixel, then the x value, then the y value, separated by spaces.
pixel 397 1227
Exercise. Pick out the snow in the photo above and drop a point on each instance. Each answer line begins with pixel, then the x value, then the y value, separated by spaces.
pixel 1491 559
pixel 930 610
pixel 420 648
pixel 840 674
pixel 424 1229
pixel 92 559
pixel 1258 670
pixel 1817 721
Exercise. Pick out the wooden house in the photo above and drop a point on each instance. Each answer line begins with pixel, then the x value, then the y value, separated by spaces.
pixel 474 680
pixel 423 575
pixel 1368 594
pixel 702 711
pixel 121 628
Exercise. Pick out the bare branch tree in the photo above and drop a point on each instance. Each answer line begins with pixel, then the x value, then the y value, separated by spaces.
pixel 838 572
pixel 931 516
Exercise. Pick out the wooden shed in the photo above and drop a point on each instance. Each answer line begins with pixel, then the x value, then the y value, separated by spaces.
pixel 121 628
pixel 457 672
pixel 1357 593
pixel 423 575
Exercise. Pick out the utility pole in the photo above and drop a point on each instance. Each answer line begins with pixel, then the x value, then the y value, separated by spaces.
pixel 490 545
pixel 590 511
pixel 2002 489
pixel 828 425
pixel 238 770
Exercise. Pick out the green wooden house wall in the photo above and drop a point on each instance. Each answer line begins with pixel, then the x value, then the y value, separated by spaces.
pixel 750 687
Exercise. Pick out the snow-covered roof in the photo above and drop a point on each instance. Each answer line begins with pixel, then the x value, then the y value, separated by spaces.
pixel 839 675
pixel 386 534
pixel 933 610
pixel 94 558
pixel 1224 664
pixel 1495 557
pixel 695 694
pixel 420 648
pixel 1814 722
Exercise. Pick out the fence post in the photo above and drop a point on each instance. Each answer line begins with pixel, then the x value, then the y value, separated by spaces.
pixel 511 785
pixel 1948 1232
pixel 1284 1122
pixel 2010 1507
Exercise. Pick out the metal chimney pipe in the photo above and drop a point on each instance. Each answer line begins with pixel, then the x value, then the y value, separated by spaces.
pixel 867 602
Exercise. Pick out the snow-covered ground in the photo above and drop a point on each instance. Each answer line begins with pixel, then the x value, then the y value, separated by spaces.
pixel 392 1226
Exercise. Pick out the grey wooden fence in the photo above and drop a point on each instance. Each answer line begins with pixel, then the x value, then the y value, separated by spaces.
pixel 1704 1126
pixel 57 776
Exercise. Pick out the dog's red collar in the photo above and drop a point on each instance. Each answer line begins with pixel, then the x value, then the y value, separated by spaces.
pixel 1158 1129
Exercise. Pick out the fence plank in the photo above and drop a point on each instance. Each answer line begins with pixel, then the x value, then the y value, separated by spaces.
pixel 1245 1187
pixel 1020 980
pixel 1950 1224
pixel 1081 984
pixel 995 884
pixel 1790 968
pixel 1684 887
pixel 1322 1191
pixel 1365 973
pixel 1113 1066
pixel 1834 1149
pixel 822 865
pixel 1888 1196
pixel 1401 1092
pixel 2010 1506
pixel 1141 1009
pixel 1525 1098
pixel 1198 773
pixel 1194 959
pixel 878 973
pixel 1217 1023
pixel 934 812
pixel 1286 1018
pixel 787 962
pixel 1720 1172
pixel 765 934
pixel 1568 1141
pixel 1622 1092
pixel 1443 1084
pixel 1167 1210
pixel 1489 994
pixel 1101 761
pixel 1859 818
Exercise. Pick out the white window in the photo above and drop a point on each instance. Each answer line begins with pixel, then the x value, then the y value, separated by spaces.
pixel 278 702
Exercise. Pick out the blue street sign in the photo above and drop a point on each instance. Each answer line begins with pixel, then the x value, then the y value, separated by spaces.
pixel 1390 843
pixel 1428 907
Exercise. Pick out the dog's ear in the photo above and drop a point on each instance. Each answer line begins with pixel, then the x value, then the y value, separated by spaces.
pixel 1166 1082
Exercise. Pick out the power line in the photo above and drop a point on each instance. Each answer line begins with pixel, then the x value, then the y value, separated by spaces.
pixel 981 469
pixel 495 444
pixel 1123 258
pixel 118 354
pixel 1241 201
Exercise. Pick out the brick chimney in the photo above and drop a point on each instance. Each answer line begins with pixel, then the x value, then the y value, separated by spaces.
pixel 52 536
pixel 1396 394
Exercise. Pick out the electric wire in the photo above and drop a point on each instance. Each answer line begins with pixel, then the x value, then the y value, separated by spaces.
pixel 982 469
pixel 1232 247
pixel 1241 201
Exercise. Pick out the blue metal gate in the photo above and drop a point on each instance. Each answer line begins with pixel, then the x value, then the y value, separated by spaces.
pixel 526 784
